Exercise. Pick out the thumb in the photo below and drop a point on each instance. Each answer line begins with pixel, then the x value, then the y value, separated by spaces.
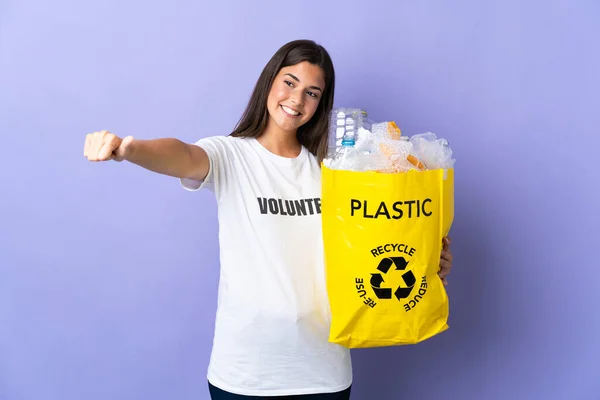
pixel 123 150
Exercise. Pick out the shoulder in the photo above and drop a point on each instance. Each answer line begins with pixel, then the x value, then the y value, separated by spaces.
pixel 220 140
pixel 225 145
pixel 312 159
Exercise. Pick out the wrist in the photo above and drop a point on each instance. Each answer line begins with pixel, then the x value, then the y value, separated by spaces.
pixel 131 150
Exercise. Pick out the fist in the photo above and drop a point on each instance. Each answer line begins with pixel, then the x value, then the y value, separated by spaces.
pixel 103 146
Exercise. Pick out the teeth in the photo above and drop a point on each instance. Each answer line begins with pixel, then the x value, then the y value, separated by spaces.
pixel 290 111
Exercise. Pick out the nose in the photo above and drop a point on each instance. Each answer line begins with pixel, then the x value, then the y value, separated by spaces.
pixel 296 97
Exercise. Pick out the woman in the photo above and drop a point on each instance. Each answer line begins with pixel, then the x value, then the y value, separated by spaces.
pixel 272 322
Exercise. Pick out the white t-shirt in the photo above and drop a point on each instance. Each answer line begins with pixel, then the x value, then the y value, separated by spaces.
pixel 273 317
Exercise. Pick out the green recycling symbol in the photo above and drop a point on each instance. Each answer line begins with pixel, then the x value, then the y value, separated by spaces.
pixel 384 266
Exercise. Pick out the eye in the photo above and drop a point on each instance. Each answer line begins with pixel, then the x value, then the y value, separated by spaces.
pixel 290 84
pixel 312 94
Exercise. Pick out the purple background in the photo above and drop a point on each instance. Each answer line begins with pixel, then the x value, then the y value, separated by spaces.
pixel 108 273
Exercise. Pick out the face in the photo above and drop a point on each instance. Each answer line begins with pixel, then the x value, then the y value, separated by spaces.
pixel 295 95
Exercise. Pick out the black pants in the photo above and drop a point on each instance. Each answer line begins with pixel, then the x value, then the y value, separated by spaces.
pixel 218 394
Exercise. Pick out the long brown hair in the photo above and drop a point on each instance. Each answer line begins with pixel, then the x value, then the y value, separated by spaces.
pixel 312 135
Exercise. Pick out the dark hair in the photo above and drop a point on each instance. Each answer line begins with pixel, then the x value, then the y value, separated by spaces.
pixel 313 135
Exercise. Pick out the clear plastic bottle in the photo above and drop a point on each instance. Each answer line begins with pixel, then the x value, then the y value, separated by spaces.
pixel 342 118
pixel 347 155
pixel 337 130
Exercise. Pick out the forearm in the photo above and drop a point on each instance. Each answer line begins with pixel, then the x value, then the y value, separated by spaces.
pixel 165 156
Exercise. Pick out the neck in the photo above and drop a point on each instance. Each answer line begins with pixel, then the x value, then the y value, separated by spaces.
pixel 280 142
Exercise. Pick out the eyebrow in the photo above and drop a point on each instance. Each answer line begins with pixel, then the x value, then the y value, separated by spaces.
pixel 310 87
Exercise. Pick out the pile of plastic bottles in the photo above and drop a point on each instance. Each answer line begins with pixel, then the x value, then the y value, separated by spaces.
pixel 358 144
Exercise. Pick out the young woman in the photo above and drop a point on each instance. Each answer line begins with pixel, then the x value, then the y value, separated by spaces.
pixel 272 322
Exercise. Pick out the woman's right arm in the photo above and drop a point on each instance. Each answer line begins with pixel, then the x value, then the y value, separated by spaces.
pixel 165 156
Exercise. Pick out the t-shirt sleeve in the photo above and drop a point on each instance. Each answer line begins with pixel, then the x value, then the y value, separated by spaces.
pixel 219 154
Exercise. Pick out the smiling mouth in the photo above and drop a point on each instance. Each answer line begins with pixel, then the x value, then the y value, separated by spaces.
pixel 290 112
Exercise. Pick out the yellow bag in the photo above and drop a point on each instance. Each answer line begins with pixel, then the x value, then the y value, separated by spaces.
pixel 383 239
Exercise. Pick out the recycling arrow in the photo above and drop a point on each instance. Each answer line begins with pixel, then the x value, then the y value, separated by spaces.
pixel 384 266
pixel 403 292
pixel 376 280
pixel 381 293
